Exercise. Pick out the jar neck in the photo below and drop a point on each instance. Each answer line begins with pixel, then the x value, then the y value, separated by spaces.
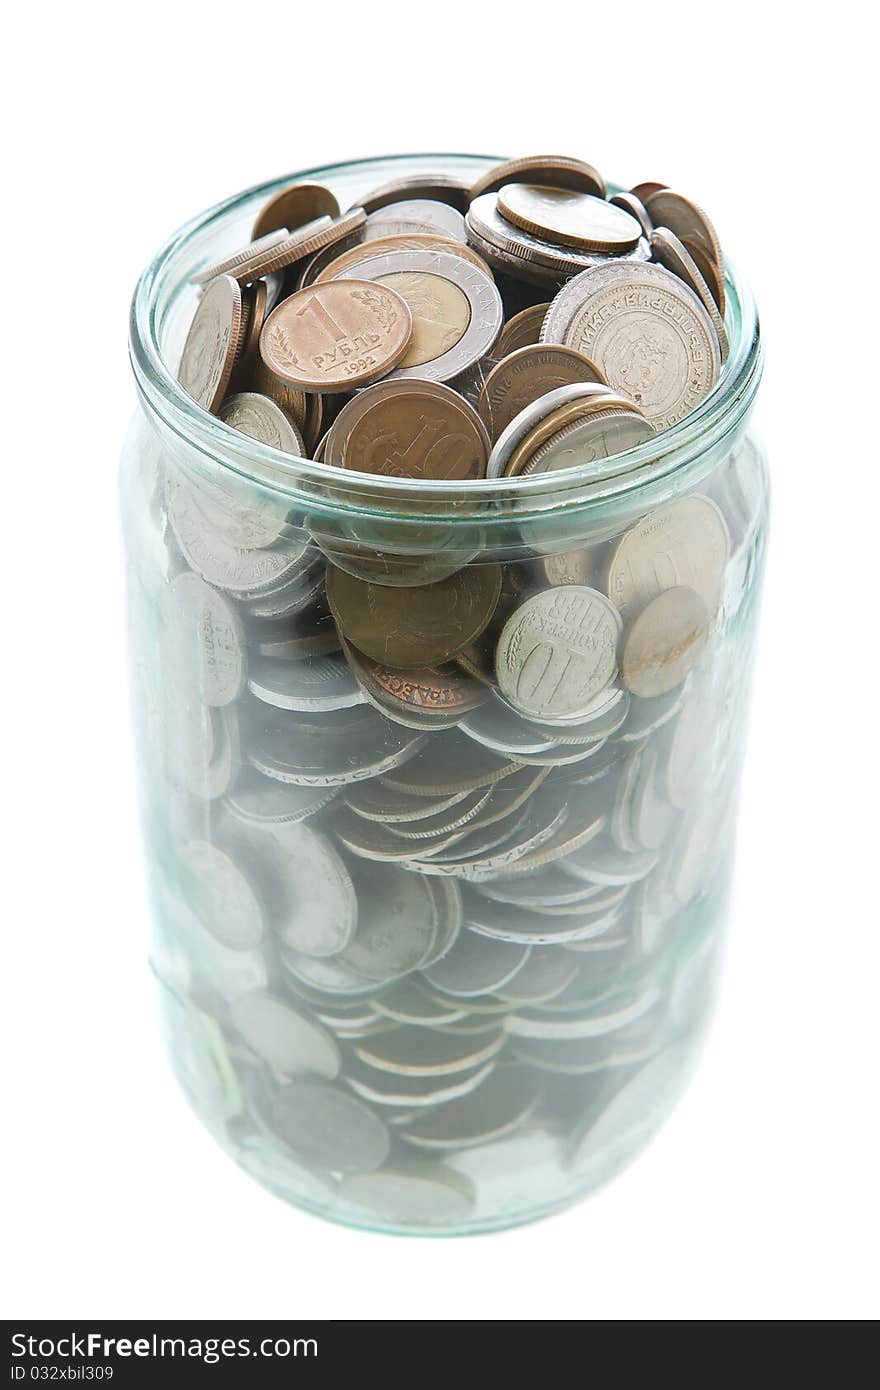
pixel 551 506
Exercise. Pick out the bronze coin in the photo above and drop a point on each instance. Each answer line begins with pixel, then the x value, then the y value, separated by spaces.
pixel 520 331
pixel 291 400
pixel 558 419
pixel 674 256
pixel 477 659
pixel 711 272
pixel 410 241
pixel 525 375
pixel 254 299
pixel 409 429
pixel 644 191
pixel 229 265
pixel 252 263
pixel 294 206
pixel 568 218
pixel 427 690
pixel 557 171
pixel 636 208
pixel 336 336
pixel 440 188
pixel 212 343
pixel 690 224
pixel 414 627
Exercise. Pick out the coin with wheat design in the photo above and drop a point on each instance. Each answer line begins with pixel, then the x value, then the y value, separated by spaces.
pixel 336 336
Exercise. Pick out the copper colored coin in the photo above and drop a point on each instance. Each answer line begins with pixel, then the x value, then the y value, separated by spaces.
pixel 557 420
pixel 428 689
pixel 409 429
pixel 644 191
pixel 410 241
pixel 314 236
pixel 674 255
pixel 568 218
pixel 664 642
pixel 291 400
pixel 336 336
pixel 636 208
pixel 212 343
pixel 525 375
pixel 555 170
pixel 294 206
pixel 711 272
pixel 414 627
pixel 230 264
pixel 443 188
pixel 254 299
pixel 520 331
pixel 690 224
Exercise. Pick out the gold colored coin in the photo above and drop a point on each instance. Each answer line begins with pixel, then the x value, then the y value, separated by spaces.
pixel 526 375
pixel 414 627
pixel 644 191
pixel 520 331
pixel 558 171
pixel 440 313
pixel 674 255
pixel 291 400
pixel 442 188
pixel 558 419
pixel 348 260
pixel 336 336
pixel 664 642
pixel 212 343
pixel 711 272
pixel 294 206
pixel 409 429
pixel 271 255
pixel 690 224
pixel 568 218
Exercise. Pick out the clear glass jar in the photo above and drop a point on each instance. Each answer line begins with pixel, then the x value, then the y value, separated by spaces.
pixel 425 970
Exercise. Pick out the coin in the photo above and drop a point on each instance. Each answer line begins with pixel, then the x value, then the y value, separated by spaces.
pixel 453 766
pixel 525 375
pixel 346 262
pixel 429 211
pixel 530 255
pixel 601 435
pixel 522 330
pixel 294 206
pixel 230 264
pixel 314 683
pixel 557 651
pixel 689 223
pixel 533 415
pixel 245 570
pixel 636 208
pixel 290 399
pixel 664 641
pixel 327 1128
pixel 434 1195
pixel 430 689
pixel 411 628
pixel 254 307
pixel 212 343
pixel 287 1039
pixel 711 272
pixel 674 255
pixel 569 218
pixel 456 309
pixel 336 336
pixel 317 908
pixel 684 543
pixel 442 188
pixel 556 170
pixel 260 418
pixel 207 627
pixel 224 897
pixel 409 429
pixel 408 1050
pixel 253 263
pixel 257 799
pixel 647 332
pixel 291 754
pixel 476 966
pixel 397 920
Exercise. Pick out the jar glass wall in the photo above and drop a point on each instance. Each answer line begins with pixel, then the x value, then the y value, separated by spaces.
pixel 434 954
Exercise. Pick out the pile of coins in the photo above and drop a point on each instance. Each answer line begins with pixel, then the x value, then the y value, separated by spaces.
pixel 443 822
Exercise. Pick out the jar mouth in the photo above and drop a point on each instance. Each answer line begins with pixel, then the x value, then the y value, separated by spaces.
pixel 164 299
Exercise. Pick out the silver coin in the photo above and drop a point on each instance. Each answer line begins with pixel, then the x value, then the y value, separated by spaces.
pixel 255 799
pixel 502 730
pixel 327 1128
pixel 530 834
pixel 476 966
pixel 635 1109
pixel 405 1001
pixel 312 634
pixel 646 331
pixel 652 816
pixel 486 310
pixel 434 1194
pixel 684 543
pixel 315 683
pixel 206 629
pixel 218 560
pixel 506 922
pixel 645 717
pixel 544 886
pixel 558 651
pixel 288 1040
pixel 326 974
pixel 593 1025
pixel 260 418
pixel 486 224
pixel 522 424
pixel 449 765
pixel 603 863
pixel 223 895
pixel 498 1108
pixel 674 255
pixel 636 208
pixel 585 1057
pixel 397 922
pixel 373 802
pixel 474 845
pixel 443 188
pixel 450 917
pixel 421 1092
pixel 413 1051
pixel 369 840
pixel 438 217
pixel 544 975
pixel 444 822
pixel 290 753
pixel 592 440
pixel 317 911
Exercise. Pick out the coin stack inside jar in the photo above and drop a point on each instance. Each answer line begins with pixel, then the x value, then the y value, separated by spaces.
pixel 444 813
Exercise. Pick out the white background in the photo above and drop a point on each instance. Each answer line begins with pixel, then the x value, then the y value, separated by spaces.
pixel 759 1200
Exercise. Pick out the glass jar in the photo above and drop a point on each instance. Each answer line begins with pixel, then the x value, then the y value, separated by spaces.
pixel 428 964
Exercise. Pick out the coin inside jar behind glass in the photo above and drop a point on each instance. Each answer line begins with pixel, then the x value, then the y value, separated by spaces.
pixel 409 429
pixel 558 651
pixel 336 336
pixel 526 374
pixel 414 627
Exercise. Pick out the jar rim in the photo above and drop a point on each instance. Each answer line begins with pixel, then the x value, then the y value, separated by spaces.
pixel 372 495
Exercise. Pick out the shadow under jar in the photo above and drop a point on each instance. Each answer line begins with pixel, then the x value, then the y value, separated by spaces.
pixel 436 954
